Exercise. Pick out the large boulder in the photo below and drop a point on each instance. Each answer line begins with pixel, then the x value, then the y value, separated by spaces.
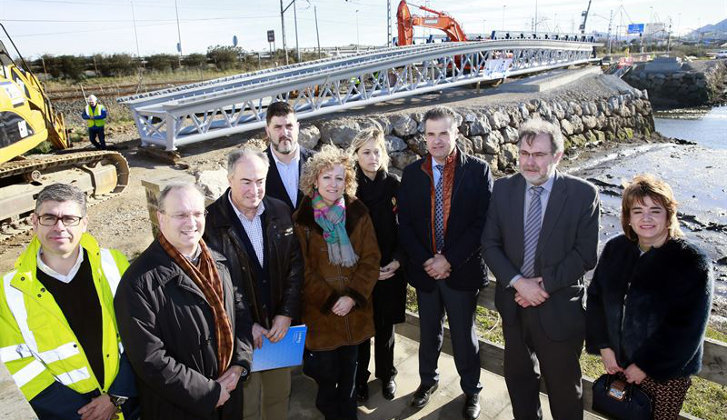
pixel 212 182
pixel 417 144
pixel 309 136
pixel 395 144
pixel 498 119
pixel 402 159
pixel 404 126
pixel 339 132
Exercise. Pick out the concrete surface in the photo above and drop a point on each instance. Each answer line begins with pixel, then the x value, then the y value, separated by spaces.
pixel 446 403
pixel 13 405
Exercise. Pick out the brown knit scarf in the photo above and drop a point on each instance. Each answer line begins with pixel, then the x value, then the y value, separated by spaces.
pixel 207 278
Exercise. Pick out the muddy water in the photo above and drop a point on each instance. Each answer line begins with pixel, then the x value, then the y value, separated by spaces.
pixel 707 127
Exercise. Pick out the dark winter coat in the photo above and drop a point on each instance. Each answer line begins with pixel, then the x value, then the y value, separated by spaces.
pixel 471 192
pixel 274 186
pixel 379 195
pixel 283 260
pixel 651 309
pixel 325 283
pixel 168 333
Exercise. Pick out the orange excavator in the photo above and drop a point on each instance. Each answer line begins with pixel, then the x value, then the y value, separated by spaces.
pixel 442 21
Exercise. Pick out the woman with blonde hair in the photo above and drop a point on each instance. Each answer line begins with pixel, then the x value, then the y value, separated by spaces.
pixel 341 260
pixel 650 297
pixel 377 188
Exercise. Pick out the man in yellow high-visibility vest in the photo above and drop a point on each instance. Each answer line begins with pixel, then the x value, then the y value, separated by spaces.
pixel 58 335
pixel 95 115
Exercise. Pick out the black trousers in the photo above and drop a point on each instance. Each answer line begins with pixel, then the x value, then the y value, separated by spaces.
pixel 383 356
pixel 334 371
pixel 460 307
pixel 97 131
pixel 530 352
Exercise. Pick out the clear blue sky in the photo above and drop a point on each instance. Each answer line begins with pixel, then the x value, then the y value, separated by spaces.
pixel 106 26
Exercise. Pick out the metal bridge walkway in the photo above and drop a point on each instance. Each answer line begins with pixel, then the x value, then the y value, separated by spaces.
pixel 202 111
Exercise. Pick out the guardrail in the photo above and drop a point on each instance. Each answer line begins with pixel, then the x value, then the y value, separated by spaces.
pixel 492 356
pixel 187 114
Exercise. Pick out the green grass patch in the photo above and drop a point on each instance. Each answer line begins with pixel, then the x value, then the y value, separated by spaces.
pixel 705 399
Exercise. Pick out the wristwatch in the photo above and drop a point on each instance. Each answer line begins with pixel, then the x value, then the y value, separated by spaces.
pixel 244 373
pixel 118 400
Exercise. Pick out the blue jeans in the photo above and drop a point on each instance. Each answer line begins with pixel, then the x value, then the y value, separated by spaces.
pixel 335 373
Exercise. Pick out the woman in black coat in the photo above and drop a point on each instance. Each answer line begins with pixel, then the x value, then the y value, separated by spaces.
pixel 650 298
pixel 377 188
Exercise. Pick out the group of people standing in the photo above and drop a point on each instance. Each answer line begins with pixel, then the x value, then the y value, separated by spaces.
pixel 330 239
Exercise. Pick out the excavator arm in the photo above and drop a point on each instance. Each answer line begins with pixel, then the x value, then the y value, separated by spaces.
pixel 406 22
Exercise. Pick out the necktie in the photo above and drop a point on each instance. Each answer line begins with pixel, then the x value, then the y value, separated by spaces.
pixel 532 232
pixel 439 210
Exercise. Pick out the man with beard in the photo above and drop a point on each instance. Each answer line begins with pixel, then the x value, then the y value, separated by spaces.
pixel 540 238
pixel 285 154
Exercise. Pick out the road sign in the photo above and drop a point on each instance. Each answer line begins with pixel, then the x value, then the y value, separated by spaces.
pixel 636 28
pixel 271 36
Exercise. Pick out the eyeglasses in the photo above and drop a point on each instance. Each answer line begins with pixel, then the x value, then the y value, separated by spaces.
pixel 184 216
pixel 536 155
pixel 52 219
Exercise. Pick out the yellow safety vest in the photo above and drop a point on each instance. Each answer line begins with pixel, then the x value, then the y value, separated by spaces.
pixel 36 343
pixel 96 112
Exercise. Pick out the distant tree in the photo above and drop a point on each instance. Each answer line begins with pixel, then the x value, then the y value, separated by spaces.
pixel 116 65
pixel 224 57
pixel 195 60
pixel 65 66
pixel 162 62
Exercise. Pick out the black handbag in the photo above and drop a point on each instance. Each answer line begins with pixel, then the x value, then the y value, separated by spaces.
pixel 620 400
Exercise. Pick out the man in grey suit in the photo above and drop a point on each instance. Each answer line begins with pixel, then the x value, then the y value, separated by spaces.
pixel 540 238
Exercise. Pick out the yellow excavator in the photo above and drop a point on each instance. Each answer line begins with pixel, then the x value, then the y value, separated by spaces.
pixel 27 119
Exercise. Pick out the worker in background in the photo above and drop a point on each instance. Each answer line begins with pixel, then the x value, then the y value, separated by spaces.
pixel 58 335
pixel 95 114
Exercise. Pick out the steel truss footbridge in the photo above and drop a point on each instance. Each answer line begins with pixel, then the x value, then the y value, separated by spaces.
pixel 202 111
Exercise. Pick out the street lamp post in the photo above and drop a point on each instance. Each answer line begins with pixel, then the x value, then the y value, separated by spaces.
pixel 503 16
pixel 136 37
pixel 179 34
pixel 282 24
pixel 358 43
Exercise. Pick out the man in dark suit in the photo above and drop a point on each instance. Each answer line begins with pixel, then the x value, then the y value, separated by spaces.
pixel 443 202
pixel 285 155
pixel 255 233
pixel 540 238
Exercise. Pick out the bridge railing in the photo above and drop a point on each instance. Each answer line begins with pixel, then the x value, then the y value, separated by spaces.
pixel 208 110
pixel 492 355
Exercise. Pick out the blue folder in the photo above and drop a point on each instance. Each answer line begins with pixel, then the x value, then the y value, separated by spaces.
pixel 284 353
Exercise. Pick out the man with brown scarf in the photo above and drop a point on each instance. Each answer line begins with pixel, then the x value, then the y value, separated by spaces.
pixel 184 326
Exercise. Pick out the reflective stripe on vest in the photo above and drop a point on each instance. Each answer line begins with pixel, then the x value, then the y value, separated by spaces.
pixel 73 376
pixel 14 352
pixel 16 303
pixel 110 270
pixel 28 373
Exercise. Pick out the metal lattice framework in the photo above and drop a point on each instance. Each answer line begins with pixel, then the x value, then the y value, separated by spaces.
pixel 202 111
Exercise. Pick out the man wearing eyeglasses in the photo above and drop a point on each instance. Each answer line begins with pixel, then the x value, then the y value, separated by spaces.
pixel 185 327
pixel 58 335
pixel 539 240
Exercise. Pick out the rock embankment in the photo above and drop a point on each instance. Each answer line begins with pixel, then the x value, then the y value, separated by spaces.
pixel 672 85
pixel 491 131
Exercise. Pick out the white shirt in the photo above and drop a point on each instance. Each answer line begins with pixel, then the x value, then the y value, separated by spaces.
pixel 289 174
pixel 56 275
pixel 544 196
pixel 253 229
